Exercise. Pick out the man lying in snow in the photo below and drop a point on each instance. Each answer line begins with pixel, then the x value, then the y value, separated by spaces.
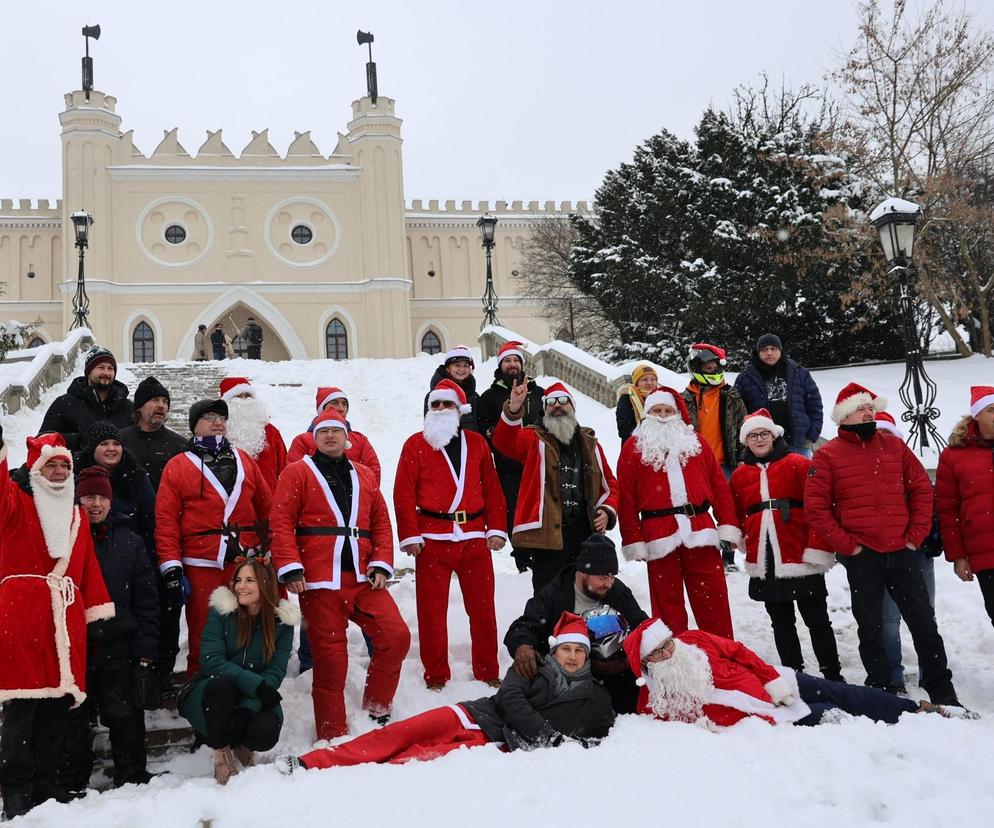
pixel 696 676
pixel 561 703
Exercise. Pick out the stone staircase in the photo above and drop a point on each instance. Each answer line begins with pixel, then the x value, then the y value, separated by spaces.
pixel 186 382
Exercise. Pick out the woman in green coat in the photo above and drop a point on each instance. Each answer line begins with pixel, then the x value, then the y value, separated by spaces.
pixel 233 702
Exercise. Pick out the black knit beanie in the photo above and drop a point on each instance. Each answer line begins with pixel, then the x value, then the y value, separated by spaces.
pixel 100 431
pixel 148 389
pixel 768 339
pixel 597 556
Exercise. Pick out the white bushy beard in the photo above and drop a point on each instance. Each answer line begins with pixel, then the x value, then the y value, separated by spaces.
pixel 55 505
pixel 440 427
pixel 247 421
pixel 680 685
pixel 658 437
pixel 562 427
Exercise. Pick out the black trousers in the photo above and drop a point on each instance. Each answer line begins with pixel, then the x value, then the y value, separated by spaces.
pixel 31 746
pixel 169 623
pixel 229 725
pixel 510 482
pixel 986 581
pixel 253 351
pixel 547 563
pixel 814 612
pixel 871 573
pixel 111 694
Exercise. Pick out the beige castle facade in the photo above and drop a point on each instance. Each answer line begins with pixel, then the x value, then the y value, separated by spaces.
pixel 322 250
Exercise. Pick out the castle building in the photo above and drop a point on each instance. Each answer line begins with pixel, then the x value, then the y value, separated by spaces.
pixel 322 250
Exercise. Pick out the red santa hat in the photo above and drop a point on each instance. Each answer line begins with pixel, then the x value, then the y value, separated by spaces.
pixel 331 419
pixel 326 394
pixel 981 396
pixel 758 420
pixel 887 423
pixel 44 448
pixel 852 397
pixel 231 387
pixel 664 395
pixel 508 349
pixel 557 389
pixel 570 629
pixel 704 352
pixel 640 642
pixel 449 391
pixel 460 352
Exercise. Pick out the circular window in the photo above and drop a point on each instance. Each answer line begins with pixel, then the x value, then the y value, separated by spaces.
pixel 175 234
pixel 302 234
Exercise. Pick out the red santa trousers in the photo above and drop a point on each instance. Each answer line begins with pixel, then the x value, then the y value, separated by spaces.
pixel 702 571
pixel 327 613
pixel 471 562
pixel 203 581
pixel 426 736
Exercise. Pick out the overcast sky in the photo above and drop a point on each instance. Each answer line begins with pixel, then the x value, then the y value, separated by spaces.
pixel 506 100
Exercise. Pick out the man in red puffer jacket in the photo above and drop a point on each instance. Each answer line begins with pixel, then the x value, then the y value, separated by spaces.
pixel 964 494
pixel 870 498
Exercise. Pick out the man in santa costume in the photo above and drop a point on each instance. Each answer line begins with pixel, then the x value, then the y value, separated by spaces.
pixel 211 504
pixel 50 589
pixel 669 479
pixel 697 677
pixel 250 430
pixel 567 487
pixel 450 516
pixel 333 546
pixel 360 449
pixel 870 498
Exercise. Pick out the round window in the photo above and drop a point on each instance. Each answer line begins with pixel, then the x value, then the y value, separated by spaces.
pixel 302 234
pixel 175 234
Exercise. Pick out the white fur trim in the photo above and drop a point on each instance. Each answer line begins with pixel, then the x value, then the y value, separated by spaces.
pixel 411 541
pixel 637 551
pixel 653 636
pixel 980 405
pixel 287 568
pixel 447 395
pixel 460 352
pixel 850 404
pixel 496 533
pixel 100 612
pixel 381 565
pixel 288 613
pixel 661 547
pixel 330 424
pixel 519 421
pixel 779 689
pixel 47 453
pixel 729 533
pixel 223 600
pixel 512 352
pixel 334 395
pixel 640 681
pixel 884 425
pixel 233 392
pixel 754 423
pixel 570 638
pixel 819 559
pixel 659 398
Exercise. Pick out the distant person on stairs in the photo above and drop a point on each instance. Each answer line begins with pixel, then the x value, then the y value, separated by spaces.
pixel 251 335
pixel 249 428
pixel 218 342
pixel 200 344
pixel 458 367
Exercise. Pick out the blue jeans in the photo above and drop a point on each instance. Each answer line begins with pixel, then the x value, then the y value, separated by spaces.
pixel 822 695
pixel 892 618
pixel 804 452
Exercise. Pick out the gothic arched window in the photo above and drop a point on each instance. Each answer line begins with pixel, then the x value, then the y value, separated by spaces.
pixel 430 343
pixel 337 340
pixel 143 343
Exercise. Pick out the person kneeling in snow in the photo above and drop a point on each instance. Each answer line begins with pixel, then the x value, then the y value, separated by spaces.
pixel 233 703
pixel 694 676
pixel 562 703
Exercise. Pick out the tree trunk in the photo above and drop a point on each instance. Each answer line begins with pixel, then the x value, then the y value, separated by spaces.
pixel 947 321
pixel 981 299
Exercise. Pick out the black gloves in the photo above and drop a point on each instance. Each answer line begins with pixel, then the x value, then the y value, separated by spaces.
pixel 522 559
pixel 147 685
pixel 172 580
pixel 268 695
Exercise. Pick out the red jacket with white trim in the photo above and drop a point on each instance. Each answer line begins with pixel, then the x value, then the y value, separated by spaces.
pixel 304 499
pixel 426 479
pixel 361 451
pixel 190 501
pixel 643 489
pixel 537 516
pixel 796 550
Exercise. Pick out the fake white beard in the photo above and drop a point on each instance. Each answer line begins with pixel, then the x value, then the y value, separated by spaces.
pixel 657 438
pixel 562 428
pixel 247 425
pixel 55 507
pixel 681 684
pixel 440 427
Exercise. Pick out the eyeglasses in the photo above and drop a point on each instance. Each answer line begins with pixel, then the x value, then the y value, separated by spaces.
pixel 562 399
pixel 758 436
pixel 214 418
pixel 441 404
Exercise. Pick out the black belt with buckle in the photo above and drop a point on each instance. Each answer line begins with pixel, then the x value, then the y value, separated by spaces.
pixel 459 517
pixel 783 504
pixel 346 531
pixel 690 510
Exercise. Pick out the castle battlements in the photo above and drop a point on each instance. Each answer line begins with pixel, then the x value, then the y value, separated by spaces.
pixel 537 209
pixel 28 208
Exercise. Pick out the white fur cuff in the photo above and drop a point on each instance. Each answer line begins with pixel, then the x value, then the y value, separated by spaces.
pixel 638 551
pixel 779 690
pixel 732 534
pixel 100 612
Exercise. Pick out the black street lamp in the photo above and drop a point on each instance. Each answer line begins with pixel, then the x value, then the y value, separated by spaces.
pixel 896 220
pixel 487 225
pixel 82 222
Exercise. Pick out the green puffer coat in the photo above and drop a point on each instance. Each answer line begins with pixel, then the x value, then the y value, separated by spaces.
pixel 220 656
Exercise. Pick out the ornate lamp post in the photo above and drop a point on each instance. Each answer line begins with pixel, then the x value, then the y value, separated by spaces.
pixel 896 220
pixel 82 221
pixel 487 224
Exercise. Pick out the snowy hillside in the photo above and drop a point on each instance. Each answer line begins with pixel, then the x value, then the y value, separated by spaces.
pixel 925 771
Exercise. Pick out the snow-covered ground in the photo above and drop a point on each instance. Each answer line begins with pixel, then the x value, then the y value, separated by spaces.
pixel 925 771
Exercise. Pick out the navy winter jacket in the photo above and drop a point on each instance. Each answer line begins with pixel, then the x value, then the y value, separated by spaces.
pixel 803 397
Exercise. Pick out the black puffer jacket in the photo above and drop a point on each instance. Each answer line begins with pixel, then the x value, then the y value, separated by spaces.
pixel 74 412
pixel 528 713
pixel 488 413
pixel 152 449
pixel 133 632
pixel 467 421
pixel 558 596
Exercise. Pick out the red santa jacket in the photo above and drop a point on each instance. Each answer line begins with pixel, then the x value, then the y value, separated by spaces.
pixel 272 459
pixel 304 499
pixel 45 601
pixel 361 451
pixel 426 479
pixel 875 493
pixel 964 497
pixel 742 683
pixel 796 551
pixel 643 489
pixel 538 511
pixel 191 506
